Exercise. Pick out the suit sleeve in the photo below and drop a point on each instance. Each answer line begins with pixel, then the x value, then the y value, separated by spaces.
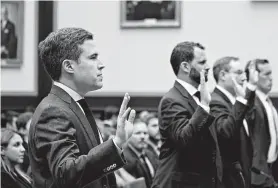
pixel 56 138
pixel 179 125
pixel 228 122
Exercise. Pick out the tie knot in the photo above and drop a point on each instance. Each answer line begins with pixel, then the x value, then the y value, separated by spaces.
pixel 197 94
pixel 83 104
pixel 143 155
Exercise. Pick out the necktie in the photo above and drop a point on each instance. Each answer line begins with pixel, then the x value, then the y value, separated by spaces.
pixel 146 168
pixel 90 117
pixel 198 95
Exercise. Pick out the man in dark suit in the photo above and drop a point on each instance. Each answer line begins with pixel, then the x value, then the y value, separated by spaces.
pixel 230 104
pixel 189 155
pixel 154 140
pixel 140 161
pixel 65 145
pixel 264 130
pixel 8 37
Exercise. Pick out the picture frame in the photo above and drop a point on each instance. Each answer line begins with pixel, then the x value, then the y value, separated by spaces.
pixel 12 36
pixel 150 14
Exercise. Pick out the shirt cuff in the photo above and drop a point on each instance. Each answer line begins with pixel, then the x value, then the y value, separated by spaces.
pixel 242 100
pixel 120 151
pixel 251 86
pixel 206 108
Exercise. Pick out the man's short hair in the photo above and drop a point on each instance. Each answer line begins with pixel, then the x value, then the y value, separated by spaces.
pixel 183 51
pixel 257 63
pixel 150 117
pixel 10 115
pixel 23 119
pixel 60 45
pixel 222 64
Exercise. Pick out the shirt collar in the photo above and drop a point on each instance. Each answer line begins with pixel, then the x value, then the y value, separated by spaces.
pixel 136 151
pixel 262 96
pixel 190 88
pixel 227 93
pixel 70 91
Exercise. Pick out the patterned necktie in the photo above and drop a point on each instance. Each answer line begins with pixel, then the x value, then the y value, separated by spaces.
pixel 90 118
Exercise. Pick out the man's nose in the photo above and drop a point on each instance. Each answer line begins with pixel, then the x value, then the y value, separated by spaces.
pixel 101 65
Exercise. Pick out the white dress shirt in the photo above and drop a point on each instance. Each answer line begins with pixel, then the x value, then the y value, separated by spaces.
pixel 4 23
pixel 233 101
pixel 192 90
pixel 272 124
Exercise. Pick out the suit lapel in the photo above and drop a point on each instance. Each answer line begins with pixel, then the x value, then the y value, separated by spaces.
pixel 193 105
pixel 186 95
pixel 265 115
pixel 222 95
pixel 85 125
pixel 84 122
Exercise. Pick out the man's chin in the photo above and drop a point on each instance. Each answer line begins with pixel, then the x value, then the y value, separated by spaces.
pixel 96 87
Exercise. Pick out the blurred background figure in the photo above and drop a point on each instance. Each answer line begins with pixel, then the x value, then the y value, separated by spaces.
pixel 123 178
pixel 23 124
pixel 154 139
pixel 140 161
pixel 12 155
pixel 111 114
pixel 11 117
pixel 143 116
pixel 8 37
pixel 264 133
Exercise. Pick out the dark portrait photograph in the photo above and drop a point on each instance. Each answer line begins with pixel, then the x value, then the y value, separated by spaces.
pixel 150 14
pixel 12 17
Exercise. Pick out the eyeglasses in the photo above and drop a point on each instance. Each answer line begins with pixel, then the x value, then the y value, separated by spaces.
pixel 239 72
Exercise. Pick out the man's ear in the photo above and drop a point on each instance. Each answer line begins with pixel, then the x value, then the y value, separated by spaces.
pixel 221 75
pixel 185 66
pixel 68 66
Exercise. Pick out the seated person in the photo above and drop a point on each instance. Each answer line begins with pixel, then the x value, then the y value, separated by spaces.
pixel 23 124
pixel 154 140
pixel 12 154
pixel 140 161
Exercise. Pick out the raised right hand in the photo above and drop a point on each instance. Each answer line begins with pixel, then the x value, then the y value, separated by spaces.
pixel 239 90
pixel 253 74
pixel 204 91
pixel 121 133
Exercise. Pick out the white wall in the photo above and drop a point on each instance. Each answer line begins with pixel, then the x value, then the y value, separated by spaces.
pixel 23 81
pixel 138 60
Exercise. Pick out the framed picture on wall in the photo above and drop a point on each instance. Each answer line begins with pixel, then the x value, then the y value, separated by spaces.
pixel 12 25
pixel 150 14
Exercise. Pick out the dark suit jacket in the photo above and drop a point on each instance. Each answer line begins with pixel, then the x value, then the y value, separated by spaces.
pixel 235 145
pixel 261 141
pixel 189 155
pixel 9 40
pixel 135 167
pixel 63 150
pixel 13 181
